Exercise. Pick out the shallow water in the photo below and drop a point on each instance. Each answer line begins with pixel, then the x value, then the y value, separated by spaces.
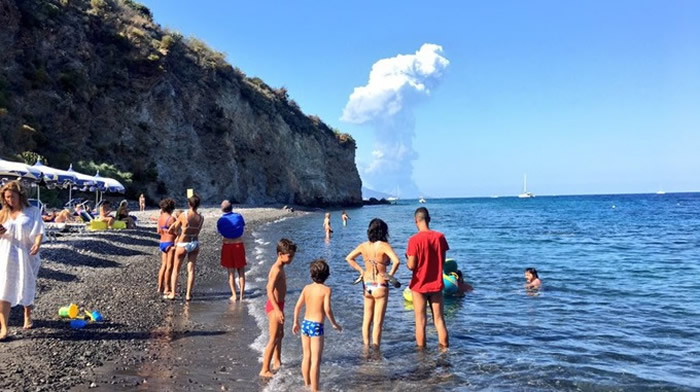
pixel 619 308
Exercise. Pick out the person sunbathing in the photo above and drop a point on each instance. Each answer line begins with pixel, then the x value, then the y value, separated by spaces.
pixel 123 215
pixel 105 212
pixel 64 217
pixel 49 217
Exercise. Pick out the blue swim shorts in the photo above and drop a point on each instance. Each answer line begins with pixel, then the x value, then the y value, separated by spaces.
pixel 311 328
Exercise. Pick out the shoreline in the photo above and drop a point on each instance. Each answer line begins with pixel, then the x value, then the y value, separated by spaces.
pixel 115 272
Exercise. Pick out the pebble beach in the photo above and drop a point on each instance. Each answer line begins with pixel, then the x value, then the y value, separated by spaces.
pixel 144 340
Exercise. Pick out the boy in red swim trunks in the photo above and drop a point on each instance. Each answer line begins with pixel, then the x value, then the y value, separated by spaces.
pixel 231 226
pixel 276 291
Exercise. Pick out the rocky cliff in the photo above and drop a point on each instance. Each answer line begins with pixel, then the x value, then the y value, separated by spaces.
pixel 98 80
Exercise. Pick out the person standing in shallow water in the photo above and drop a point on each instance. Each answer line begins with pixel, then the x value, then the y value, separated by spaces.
pixel 231 227
pixel 327 225
pixel 274 307
pixel 376 254
pixel 426 256
pixel 21 232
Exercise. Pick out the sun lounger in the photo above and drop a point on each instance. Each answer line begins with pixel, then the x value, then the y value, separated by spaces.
pixel 97 225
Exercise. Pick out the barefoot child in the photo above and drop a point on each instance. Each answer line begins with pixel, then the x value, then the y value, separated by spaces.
pixel 317 299
pixel 276 291
pixel 533 281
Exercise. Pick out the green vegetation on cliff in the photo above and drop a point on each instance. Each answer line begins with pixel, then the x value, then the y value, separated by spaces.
pixel 100 81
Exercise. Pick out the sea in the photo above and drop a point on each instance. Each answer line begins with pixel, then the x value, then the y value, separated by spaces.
pixel 619 307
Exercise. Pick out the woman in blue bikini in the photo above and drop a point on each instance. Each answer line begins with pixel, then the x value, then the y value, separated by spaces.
pixel 187 244
pixel 376 254
pixel 167 245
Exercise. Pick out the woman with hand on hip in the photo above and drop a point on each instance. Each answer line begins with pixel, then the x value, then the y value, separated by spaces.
pixel 21 232
pixel 377 255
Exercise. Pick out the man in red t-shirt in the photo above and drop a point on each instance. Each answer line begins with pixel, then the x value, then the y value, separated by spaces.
pixel 426 254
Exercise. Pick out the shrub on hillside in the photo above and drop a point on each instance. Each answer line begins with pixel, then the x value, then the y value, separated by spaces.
pixel 140 8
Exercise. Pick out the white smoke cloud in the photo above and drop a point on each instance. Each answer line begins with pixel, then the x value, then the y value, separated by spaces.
pixel 395 85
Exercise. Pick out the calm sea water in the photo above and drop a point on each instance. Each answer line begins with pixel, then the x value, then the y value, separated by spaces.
pixel 619 309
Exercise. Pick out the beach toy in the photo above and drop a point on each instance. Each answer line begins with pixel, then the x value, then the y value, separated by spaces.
pixel 451 285
pixel 358 280
pixel 450 266
pixel 94 315
pixel 70 311
pixel 392 280
pixel 407 295
pixel 78 324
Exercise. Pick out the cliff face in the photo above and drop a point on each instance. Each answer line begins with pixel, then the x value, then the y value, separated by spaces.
pixel 100 81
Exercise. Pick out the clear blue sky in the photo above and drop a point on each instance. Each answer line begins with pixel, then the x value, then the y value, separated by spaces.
pixel 584 97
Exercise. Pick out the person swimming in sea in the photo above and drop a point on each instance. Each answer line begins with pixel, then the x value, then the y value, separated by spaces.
pixel 462 286
pixel 532 280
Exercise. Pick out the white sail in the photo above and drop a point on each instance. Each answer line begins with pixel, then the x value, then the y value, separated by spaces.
pixel 525 194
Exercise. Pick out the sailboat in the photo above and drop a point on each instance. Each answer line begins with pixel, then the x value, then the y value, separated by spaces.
pixel 525 194
pixel 421 200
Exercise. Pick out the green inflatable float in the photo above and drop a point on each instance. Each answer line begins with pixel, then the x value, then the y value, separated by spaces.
pixel 449 278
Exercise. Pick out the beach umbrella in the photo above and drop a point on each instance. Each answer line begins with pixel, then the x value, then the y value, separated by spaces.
pixel 20 170
pixel 113 185
pixel 99 186
pixel 50 177
pixel 6 176
pixel 82 180
pixel 62 178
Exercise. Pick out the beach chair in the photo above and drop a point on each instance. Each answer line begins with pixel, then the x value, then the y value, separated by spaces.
pixel 97 225
pixel 51 229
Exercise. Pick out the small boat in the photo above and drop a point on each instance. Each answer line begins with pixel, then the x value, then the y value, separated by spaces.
pixel 421 200
pixel 525 194
pixel 661 192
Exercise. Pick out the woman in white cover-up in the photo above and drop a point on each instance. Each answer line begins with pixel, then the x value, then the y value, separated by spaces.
pixel 20 238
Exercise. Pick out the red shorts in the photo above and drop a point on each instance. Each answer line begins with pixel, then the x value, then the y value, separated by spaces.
pixel 269 308
pixel 233 255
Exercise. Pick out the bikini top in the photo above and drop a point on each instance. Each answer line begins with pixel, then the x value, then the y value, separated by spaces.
pixel 374 262
pixel 186 229
pixel 166 226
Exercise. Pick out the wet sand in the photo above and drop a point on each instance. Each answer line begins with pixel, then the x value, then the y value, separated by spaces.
pixel 145 342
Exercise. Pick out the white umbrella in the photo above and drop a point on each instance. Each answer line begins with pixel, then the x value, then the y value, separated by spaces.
pixel 20 169
pixel 113 185
pixel 82 180
pixel 62 177
pixel 17 170
pixel 100 186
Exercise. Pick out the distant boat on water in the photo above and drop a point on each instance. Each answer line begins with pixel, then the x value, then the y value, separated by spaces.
pixel 661 192
pixel 421 200
pixel 525 194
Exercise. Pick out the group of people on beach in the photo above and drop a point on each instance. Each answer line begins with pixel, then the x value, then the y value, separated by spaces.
pixel 425 257
pixel 22 230
pixel 179 240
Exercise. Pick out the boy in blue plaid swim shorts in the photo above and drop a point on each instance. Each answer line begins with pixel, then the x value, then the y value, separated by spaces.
pixel 316 297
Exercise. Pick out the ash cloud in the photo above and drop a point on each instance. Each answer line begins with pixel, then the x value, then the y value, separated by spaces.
pixel 396 85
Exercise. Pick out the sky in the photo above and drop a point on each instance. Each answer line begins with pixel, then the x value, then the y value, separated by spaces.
pixel 584 97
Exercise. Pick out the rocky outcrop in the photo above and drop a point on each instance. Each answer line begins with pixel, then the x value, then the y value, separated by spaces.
pixel 100 81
